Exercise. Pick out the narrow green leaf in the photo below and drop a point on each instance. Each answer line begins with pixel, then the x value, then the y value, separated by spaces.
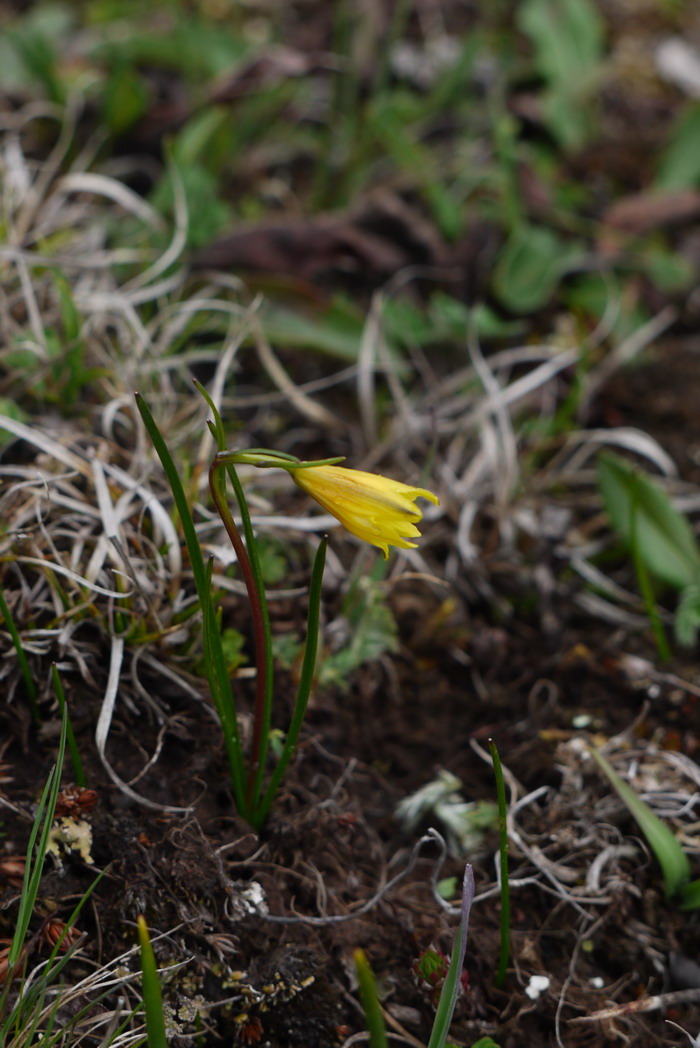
pixel 217 674
pixel 152 996
pixel 638 507
pixel 504 952
pixel 76 760
pixel 672 859
pixel 528 268
pixel 370 1002
pixel 305 682
pixel 38 842
pixel 679 166
pixel 21 657
pixel 451 986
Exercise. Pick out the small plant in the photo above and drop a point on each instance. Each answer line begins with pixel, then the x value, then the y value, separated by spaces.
pixel 376 509
pixel 30 1017
pixel 672 859
pixel 433 969
pixel 660 540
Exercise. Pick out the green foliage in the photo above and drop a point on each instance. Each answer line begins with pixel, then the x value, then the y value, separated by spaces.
pixel 36 849
pixel 434 969
pixel 679 166
pixel 207 213
pixel 371 633
pixel 252 797
pixel 335 330
pixel 33 40
pixel 370 1001
pixel 672 859
pixel 152 996
pixel 29 683
pixel 529 268
pixel 659 537
pixel 568 39
pixel 124 98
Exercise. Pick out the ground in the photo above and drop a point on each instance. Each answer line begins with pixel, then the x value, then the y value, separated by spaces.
pixel 449 269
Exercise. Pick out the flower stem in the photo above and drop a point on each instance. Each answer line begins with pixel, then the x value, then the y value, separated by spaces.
pixel 263 655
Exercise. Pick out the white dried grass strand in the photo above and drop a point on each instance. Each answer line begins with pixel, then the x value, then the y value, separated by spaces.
pixel 161 517
pixel 177 244
pixel 60 569
pixel 366 364
pixel 111 189
pixel 505 466
pixel 103 301
pixel 104 723
pixel 307 407
pixel 110 524
pixel 522 387
pixel 603 609
pixel 588 442
pixel 66 118
pixel 47 444
pixel 627 350
pixel 216 392
pixel 597 578
pixel 32 307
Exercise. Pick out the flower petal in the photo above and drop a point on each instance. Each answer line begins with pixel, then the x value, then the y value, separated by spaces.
pixel 376 509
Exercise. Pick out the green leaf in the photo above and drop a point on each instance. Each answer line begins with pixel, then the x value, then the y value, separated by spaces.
pixel 641 512
pixel 370 1001
pixel 567 36
pixel 672 859
pixel 336 330
pixel 689 896
pixel 680 161
pixel 372 632
pixel 687 620
pixel 452 984
pixel 152 996
pixel 528 268
pixel 124 99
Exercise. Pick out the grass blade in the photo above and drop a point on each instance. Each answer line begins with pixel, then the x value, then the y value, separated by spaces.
pixel 451 986
pixel 217 674
pixel 21 658
pixel 370 1001
pixel 672 859
pixel 152 996
pixel 305 682
pixel 503 853
pixel 40 838
pixel 76 760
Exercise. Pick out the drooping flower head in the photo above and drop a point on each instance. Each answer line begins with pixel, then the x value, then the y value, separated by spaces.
pixel 376 509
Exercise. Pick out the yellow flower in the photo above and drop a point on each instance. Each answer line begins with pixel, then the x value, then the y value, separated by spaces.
pixel 376 509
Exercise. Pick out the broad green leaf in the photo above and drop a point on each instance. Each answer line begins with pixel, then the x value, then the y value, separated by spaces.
pixel 687 620
pixel 567 36
pixel 528 269
pixel 372 631
pixel 336 330
pixel 672 859
pixel 641 512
